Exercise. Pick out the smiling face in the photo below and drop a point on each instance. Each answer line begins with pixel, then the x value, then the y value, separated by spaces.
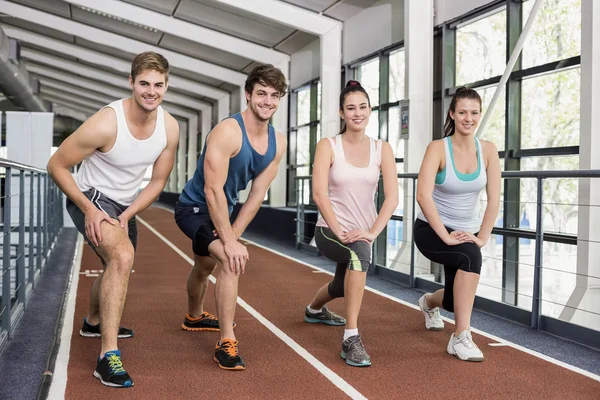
pixel 149 89
pixel 356 111
pixel 466 116
pixel 263 101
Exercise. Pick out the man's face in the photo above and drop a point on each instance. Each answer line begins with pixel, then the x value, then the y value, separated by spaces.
pixel 149 89
pixel 263 101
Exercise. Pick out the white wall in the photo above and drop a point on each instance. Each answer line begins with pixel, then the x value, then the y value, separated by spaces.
pixel 446 10
pixel 305 64
pixel 372 29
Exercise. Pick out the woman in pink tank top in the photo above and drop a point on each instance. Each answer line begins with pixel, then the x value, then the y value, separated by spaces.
pixel 345 177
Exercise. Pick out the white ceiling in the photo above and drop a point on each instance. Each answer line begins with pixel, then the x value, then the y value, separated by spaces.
pixel 209 14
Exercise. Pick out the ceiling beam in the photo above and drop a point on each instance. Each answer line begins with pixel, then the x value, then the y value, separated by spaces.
pixel 112 79
pixel 105 38
pixel 70 112
pixel 183 29
pixel 115 63
pixel 287 14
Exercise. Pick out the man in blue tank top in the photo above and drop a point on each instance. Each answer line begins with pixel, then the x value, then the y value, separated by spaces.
pixel 240 148
pixel 115 147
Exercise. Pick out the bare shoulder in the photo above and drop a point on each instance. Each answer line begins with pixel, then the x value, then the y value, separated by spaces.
pixel 281 141
pixel 171 127
pixel 324 143
pixel 489 148
pixel 99 130
pixel 225 137
pixel 436 146
pixel 385 145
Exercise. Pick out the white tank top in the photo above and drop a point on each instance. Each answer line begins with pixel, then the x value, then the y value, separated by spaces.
pixel 119 172
pixel 456 195
pixel 352 189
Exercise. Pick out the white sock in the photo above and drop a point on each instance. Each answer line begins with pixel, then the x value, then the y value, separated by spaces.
pixel 350 332
pixel 313 311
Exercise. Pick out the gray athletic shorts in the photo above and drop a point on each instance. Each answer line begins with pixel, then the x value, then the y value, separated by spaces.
pixel 109 207
pixel 356 255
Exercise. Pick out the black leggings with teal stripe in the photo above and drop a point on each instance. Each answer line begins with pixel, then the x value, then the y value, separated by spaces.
pixel 464 256
pixel 349 256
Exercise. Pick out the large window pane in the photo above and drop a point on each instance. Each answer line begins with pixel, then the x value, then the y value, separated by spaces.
pixel 494 129
pixel 303 146
pixel 490 283
pixel 319 100
pixel 481 49
pixel 550 110
pixel 372 129
pixel 560 195
pixel 368 75
pixel 396 76
pixel 555 34
pixel 395 234
pixel 303 108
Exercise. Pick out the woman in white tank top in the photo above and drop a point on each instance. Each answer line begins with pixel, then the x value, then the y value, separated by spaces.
pixel 449 230
pixel 345 177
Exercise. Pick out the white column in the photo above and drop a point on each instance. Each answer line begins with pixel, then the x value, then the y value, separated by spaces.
pixel 587 292
pixel 418 45
pixel 192 144
pixel 181 153
pixel 277 194
pixel 331 76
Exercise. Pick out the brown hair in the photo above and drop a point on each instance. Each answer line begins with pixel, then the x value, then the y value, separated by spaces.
pixel 352 87
pixel 266 75
pixel 462 92
pixel 149 60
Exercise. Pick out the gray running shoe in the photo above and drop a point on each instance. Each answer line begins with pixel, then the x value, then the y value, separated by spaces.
pixel 354 352
pixel 324 317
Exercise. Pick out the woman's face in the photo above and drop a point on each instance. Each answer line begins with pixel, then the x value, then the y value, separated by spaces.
pixel 466 116
pixel 356 111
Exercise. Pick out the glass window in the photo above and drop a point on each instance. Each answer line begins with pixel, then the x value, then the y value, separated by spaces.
pixel 555 34
pixel 372 129
pixel 303 146
pixel 303 106
pixel 396 92
pixel 550 110
pixel 490 283
pixel 319 101
pixel 481 49
pixel 368 75
pixel 495 126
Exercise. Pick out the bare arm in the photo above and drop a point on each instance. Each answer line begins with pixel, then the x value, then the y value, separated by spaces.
pixel 99 131
pixel 390 189
pixel 259 188
pixel 429 168
pixel 160 172
pixel 492 190
pixel 222 143
pixel 320 184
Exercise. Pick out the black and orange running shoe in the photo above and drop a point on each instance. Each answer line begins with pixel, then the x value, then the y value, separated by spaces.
pixel 205 322
pixel 226 355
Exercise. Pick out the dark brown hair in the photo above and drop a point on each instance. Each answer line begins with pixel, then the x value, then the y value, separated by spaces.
pixel 462 92
pixel 266 75
pixel 149 60
pixel 352 86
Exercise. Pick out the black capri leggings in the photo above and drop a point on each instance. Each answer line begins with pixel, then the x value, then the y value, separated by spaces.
pixel 465 256
pixel 355 256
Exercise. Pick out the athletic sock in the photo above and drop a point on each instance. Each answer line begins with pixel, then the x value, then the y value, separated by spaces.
pixel 313 311
pixel 350 332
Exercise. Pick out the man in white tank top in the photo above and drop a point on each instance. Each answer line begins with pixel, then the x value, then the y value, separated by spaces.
pixel 115 147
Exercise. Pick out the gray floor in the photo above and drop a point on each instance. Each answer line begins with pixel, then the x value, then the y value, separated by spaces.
pixel 562 350
pixel 24 360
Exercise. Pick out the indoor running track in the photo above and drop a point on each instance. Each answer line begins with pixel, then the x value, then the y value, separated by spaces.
pixel 285 357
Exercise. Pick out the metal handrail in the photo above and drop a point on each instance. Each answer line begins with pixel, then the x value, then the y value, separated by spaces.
pixel 13 164
pixel 538 234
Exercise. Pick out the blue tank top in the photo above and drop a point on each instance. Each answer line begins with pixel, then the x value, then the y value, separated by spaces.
pixel 245 166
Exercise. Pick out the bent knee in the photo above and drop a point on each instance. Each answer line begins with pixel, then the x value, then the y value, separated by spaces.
pixel 472 258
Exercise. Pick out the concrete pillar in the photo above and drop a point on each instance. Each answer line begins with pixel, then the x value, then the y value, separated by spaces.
pixel 181 164
pixel 192 144
pixel 418 89
pixel 277 196
pixel 587 291
pixel 331 77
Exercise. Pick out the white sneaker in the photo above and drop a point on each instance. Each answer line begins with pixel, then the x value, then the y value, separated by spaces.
pixel 433 319
pixel 463 347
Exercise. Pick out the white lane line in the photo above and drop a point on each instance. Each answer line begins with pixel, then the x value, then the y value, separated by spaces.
pixel 482 333
pixel 59 376
pixel 318 365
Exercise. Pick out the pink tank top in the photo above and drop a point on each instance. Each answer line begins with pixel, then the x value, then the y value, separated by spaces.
pixel 352 189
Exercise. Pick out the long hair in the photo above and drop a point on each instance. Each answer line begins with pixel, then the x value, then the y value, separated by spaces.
pixel 351 87
pixel 462 92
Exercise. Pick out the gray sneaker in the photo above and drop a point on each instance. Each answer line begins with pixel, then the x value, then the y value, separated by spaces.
pixel 354 352
pixel 324 317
